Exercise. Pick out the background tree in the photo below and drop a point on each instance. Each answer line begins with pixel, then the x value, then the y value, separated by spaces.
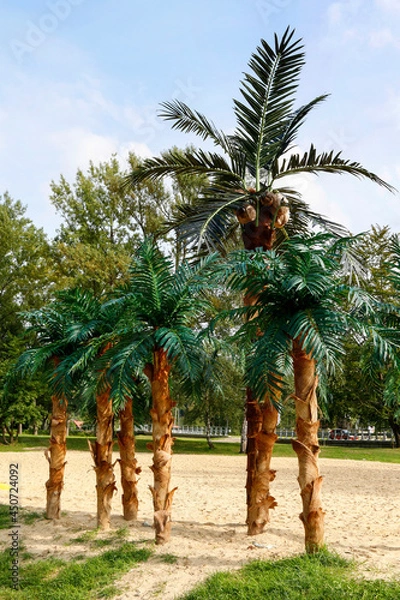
pixel 353 397
pixel 25 284
pixel 102 224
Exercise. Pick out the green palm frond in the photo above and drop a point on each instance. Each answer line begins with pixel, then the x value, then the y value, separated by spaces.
pixel 268 93
pixel 122 365
pixel 182 347
pixel 187 120
pixel 326 162
pixel 301 296
pixel 184 162
pixel 256 157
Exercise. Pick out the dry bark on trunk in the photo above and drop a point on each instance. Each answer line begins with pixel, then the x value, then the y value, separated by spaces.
pixel 162 421
pixel 101 451
pixel 307 447
pixel 55 455
pixel 128 463
pixel 259 231
pixel 259 499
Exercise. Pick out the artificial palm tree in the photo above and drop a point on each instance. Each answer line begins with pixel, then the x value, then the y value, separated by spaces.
pixel 247 179
pixel 304 308
pixel 93 333
pixel 156 335
pixel 51 346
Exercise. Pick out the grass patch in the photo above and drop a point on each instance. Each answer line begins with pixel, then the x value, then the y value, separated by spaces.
pixel 169 559
pixel 200 446
pixel 89 538
pixel 24 516
pixel 315 577
pixel 4 516
pixel 55 579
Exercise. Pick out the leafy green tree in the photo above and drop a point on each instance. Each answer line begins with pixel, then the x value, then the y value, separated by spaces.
pixel 156 334
pixel 102 224
pixel 25 283
pixel 353 396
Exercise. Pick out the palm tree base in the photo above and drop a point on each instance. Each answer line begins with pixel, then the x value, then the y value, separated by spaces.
pixel 105 482
pixel 128 463
pixel 55 455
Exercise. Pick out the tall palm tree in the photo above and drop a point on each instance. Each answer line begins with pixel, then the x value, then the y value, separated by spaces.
pixel 156 335
pixel 304 308
pixel 247 180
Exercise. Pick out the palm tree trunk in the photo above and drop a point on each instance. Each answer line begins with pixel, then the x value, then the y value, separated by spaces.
pixel 261 437
pixel 55 455
pixel 128 462
pixel 307 447
pixel 258 232
pixel 162 421
pixel 259 501
pixel 101 451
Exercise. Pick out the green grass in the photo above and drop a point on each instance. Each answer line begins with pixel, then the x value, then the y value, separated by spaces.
pixel 24 516
pixel 56 579
pixel 323 576
pixel 199 446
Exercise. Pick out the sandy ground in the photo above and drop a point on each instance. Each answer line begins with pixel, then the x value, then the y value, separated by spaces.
pixel 361 499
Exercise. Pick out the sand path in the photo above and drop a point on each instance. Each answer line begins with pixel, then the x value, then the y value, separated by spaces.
pixel 361 500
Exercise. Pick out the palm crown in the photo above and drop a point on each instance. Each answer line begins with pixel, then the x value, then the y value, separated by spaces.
pixel 302 297
pixel 255 158
pixel 158 310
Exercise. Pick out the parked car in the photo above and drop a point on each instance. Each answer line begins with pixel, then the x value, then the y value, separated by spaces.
pixel 340 434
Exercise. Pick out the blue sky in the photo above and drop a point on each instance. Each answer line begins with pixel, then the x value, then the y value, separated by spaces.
pixel 83 79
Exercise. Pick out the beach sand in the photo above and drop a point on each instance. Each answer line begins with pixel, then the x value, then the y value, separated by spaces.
pixel 361 500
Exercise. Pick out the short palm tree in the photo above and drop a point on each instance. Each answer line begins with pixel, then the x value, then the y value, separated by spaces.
pixel 247 181
pixel 155 335
pixel 304 308
pixel 93 332
pixel 51 346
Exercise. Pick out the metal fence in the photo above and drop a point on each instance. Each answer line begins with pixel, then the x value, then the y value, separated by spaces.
pixel 192 431
pixel 323 434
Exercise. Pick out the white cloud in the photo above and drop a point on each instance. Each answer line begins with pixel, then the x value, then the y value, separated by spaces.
pixel 382 38
pixel 76 147
pixel 388 5
pixel 341 11
pixel 335 13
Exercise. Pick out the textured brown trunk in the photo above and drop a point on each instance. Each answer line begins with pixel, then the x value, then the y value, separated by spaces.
pixel 55 455
pixel 101 451
pixel 162 421
pixel 259 231
pixel 307 447
pixel 128 462
pixel 259 499
pixel 254 422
